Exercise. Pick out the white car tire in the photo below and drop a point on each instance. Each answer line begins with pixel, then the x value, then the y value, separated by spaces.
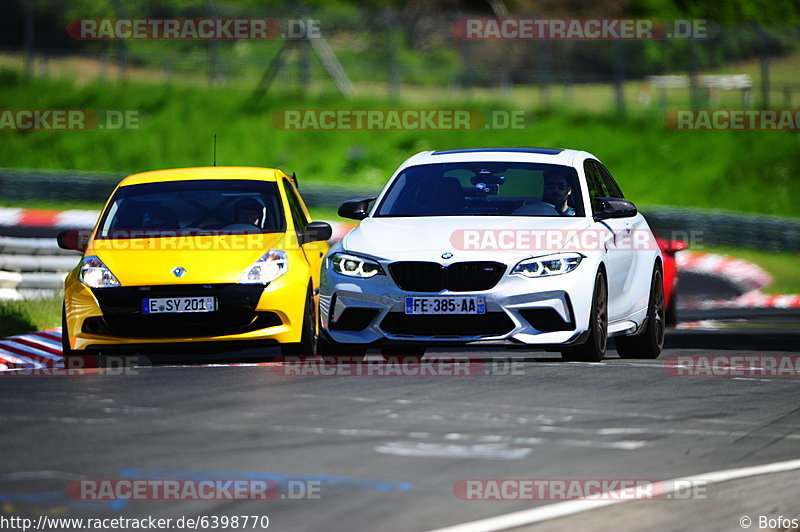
pixel 594 349
pixel 649 343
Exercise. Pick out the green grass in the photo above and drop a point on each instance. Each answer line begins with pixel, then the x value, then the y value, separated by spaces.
pixel 654 165
pixel 18 317
pixel 783 267
pixel 328 214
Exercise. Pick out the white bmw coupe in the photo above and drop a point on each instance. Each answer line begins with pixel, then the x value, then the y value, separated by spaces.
pixel 525 245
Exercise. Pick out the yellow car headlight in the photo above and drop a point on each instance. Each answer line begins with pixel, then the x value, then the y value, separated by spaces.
pixel 269 267
pixel 95 274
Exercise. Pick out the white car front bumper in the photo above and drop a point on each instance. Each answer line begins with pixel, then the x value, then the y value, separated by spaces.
pixel 373 310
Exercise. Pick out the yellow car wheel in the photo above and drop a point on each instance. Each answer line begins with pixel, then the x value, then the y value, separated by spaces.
pixel 307 346
pixel 74 359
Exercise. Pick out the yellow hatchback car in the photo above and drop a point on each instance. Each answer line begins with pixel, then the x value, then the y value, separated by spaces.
pixel 191 257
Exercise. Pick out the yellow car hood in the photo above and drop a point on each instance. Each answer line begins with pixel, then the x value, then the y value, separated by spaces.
pixel 205 259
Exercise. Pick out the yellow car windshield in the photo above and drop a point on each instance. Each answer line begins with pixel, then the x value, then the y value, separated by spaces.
pixel 202 207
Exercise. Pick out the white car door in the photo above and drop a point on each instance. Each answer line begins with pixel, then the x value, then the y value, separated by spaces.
pixel 617 239
pixel 641 245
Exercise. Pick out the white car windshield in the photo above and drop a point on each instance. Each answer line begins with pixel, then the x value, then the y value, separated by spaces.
pixel 484 189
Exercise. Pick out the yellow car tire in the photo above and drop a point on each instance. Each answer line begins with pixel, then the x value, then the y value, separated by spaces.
pixel 307 346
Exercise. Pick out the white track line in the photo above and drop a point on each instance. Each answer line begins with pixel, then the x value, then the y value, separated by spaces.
pixel 563 509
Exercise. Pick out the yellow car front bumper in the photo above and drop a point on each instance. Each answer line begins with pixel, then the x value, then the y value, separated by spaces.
pixel 102 318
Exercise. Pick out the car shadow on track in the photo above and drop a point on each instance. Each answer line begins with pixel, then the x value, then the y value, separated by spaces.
pixel 755 339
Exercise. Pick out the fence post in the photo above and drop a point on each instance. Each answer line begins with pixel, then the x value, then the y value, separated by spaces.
pixel 694 100
pixel 544 71
pixel 392 43
pixel 104 62
pixel 466 69
pixel 122 45
pixel 763 60
pixel 213 48
pixel 28 7
pixel 304 64
pixel 619 76
pixel 213 61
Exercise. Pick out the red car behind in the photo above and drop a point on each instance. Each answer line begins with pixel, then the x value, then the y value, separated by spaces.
pixel 668 250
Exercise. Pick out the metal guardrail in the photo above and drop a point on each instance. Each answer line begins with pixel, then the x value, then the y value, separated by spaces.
pixel 33 267
pixel 37 263
pixel 703 227
pixel 57 185
pixel 699 226
pixel 33 246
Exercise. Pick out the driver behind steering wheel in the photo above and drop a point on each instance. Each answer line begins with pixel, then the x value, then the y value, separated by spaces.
pixel 248 211
pixel 556 191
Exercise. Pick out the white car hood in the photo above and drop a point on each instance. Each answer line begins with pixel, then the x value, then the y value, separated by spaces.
pixel 427 238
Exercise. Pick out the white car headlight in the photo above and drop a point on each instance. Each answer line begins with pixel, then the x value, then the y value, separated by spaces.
pixel 548 265
pixel 95 274
pixel 269 267
pixel 354 266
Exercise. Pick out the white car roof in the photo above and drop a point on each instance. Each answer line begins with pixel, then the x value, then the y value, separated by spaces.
pixel 521 155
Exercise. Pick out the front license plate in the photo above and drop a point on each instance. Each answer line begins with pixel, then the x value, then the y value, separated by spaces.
pixel 445 305
pixel 163 305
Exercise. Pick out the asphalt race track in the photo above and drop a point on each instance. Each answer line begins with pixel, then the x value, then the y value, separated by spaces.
pixel 385 452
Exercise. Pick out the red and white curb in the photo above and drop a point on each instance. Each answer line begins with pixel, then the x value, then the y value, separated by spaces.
pixel 754 300
pixel 34 350
pixel 86 219
pixel 743 274
pixel 750 278
pixel 74 219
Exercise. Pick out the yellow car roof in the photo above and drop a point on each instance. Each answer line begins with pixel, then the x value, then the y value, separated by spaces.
pixel 207 172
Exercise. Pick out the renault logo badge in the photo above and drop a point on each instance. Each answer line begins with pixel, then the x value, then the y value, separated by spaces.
pixel 447 255
pixel 178 272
